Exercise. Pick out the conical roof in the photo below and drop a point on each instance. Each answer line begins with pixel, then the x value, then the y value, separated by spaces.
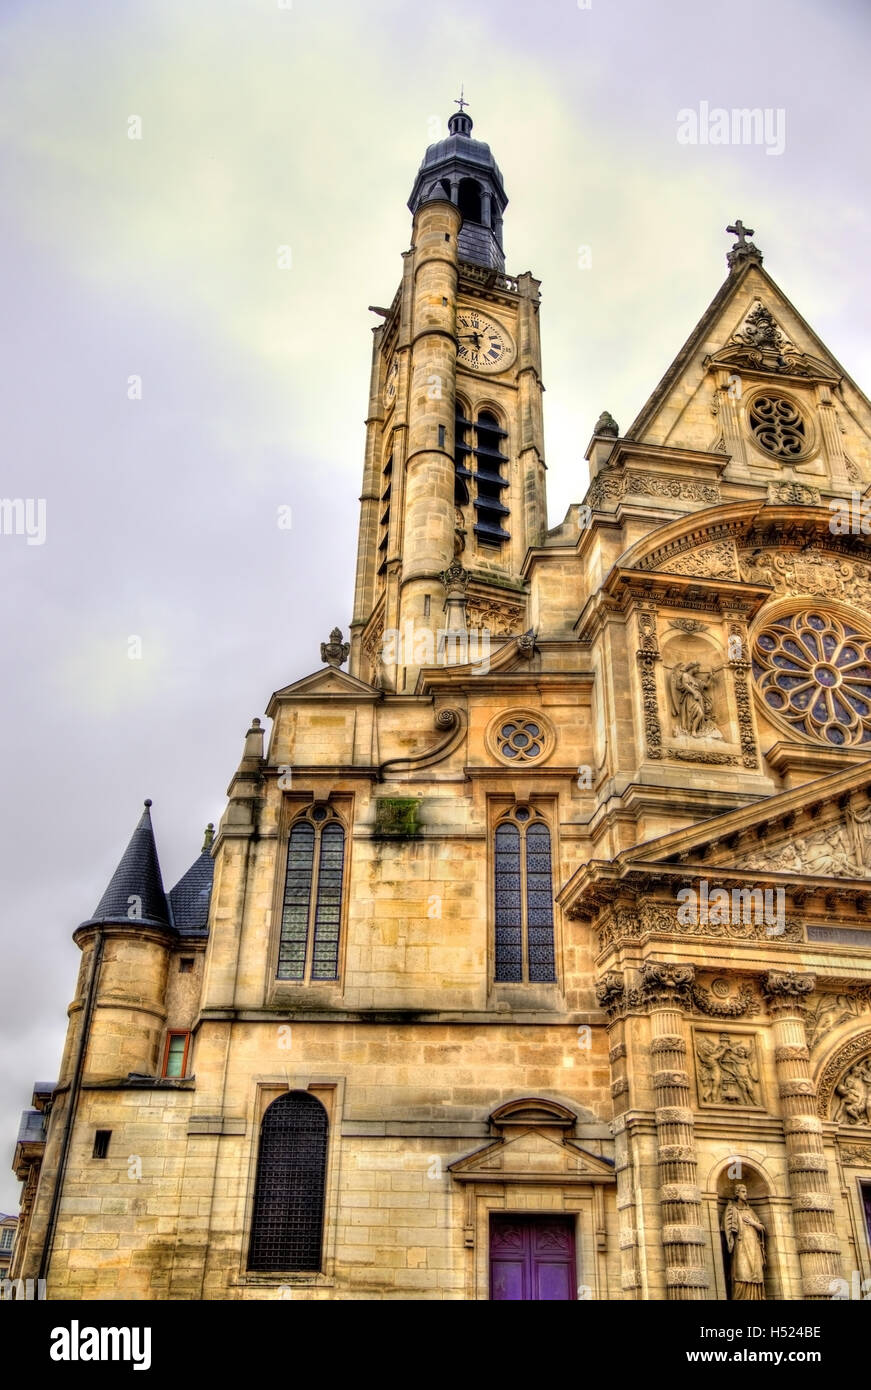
pixel 135 895
pixel 189 899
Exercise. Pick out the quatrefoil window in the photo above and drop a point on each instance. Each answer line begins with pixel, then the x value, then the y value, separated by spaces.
pixel 813 671
pixel 778 426
pixel 521 740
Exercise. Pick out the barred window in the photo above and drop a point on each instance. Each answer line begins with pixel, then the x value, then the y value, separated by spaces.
pixel 287 1225
pixel 524 899
pixel 311 913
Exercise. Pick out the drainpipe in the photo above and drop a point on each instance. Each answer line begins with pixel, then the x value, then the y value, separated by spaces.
pixel 75 1088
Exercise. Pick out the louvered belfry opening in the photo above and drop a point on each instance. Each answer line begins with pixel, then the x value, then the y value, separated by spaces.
pixel 287 1228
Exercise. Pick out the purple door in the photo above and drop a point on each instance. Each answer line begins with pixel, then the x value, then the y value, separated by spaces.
pixel 866 1198
pixel 532 1257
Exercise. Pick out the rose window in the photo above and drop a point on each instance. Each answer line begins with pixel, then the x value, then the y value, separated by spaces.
pixel 520 739
pixel 778 427
pixel 814 672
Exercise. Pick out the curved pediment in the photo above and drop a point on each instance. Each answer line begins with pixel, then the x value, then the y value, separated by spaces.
pixel 788 547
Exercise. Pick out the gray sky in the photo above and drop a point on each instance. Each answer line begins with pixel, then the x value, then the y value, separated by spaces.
pixel 261 127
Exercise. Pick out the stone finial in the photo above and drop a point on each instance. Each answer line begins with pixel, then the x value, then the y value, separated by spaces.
pixel 606 424
pixel 208 836
pixel 335 652
pixel 253 741
pixel 743 250
pixel 455 579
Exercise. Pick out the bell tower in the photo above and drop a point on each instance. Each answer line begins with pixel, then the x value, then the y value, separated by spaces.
pixel 453 487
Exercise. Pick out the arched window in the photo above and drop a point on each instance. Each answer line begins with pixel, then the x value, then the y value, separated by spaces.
pixel 524 947
pixel 288 1221
pixel 384 513
pixel 311 914
pixel 462 455
pixel 490 456
pixel 469 200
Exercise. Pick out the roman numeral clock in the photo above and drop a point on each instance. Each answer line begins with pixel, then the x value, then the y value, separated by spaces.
pixel 483 344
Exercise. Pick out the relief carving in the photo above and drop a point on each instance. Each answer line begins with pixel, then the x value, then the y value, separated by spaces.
pixel 853 1095
pixel 613 485
pixel 499 619
pixel 810 571
pixel 657 919
pixel 842 850
pixel 727 1070
pixel 831 1010
pixel 648 655
pixel 691 705
pixel 856 1050
pixel 716 561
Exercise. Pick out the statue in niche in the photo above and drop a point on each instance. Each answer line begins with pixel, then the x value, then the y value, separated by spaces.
pixel 691 705
pixel 727 1072
pixel 745 1242
pixel 854 1090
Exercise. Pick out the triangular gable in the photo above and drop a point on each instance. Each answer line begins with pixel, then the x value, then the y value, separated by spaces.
pixel 330 680
pixel 725 321
pixel 532 1157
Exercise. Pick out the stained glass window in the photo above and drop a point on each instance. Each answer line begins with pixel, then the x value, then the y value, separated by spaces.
pixel 311 913
pixel 287 1224
pixel 813 671
pixel 524 946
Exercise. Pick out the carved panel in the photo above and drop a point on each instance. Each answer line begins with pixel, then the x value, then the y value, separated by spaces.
pixel 727 1069
pixel 856 1049
pixel 840 850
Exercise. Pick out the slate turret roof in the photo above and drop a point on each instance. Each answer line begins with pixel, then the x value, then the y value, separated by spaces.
pixel 189 899
pixel 135 895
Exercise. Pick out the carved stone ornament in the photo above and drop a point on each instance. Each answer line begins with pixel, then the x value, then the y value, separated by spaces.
pixel 760 345
pixel 614 484
pixel 691 705
pixel 853 1095
pixel 664 983
pixel 688 625
pixel 857 1155
pixel 606 425
pixel 717 560
pixel 856 1049
pixel 840 850
pixel 811 571
pixel 786 989
pixel 335 652
pixel 455 578
pixel 498 618
pixel 727 1069
pixel 718 1002
pixel 648 655
pixel 745 1243
pixel 830 1010
pixel 796 494
pixel 658 919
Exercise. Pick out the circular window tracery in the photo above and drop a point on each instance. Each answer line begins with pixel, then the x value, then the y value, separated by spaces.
pixel 520 736
pixel 778 426
pixel 521 739
pixel 813 671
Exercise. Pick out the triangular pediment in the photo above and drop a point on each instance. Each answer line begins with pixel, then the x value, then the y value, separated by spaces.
pixel 800 840
pixel 532 1156
pixel 821 829
pixel 753 332
pixel 329 681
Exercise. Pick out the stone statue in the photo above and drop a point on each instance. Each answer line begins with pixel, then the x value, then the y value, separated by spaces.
pixel 335 652
pixel 854 1089
pixel 745 1242
pixel 691 705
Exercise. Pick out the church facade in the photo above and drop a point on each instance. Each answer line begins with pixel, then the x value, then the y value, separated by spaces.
pixel 531 957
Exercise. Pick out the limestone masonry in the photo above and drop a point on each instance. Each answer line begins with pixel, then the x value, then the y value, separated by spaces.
pixel 531 957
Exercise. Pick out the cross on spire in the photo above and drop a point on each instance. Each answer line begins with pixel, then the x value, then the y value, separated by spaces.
pixel 461 101
pixel 741 232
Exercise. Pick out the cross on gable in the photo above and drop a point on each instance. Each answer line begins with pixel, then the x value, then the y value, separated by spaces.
pixel 741 232
pixel 462 103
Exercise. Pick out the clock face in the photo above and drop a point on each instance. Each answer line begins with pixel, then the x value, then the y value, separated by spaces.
pixel 482 344
pixel 392 377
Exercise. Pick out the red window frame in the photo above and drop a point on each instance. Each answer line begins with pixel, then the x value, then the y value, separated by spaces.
pixel 177 1033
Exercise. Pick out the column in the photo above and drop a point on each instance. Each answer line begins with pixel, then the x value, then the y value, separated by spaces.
pixel 665 989
pixel 813 1205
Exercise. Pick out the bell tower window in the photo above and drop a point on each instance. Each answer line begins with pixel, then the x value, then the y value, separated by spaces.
pixel 384 518
pixel 469 200
pixel 490 455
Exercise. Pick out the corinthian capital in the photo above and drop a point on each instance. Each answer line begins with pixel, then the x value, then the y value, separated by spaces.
pixel 663 982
